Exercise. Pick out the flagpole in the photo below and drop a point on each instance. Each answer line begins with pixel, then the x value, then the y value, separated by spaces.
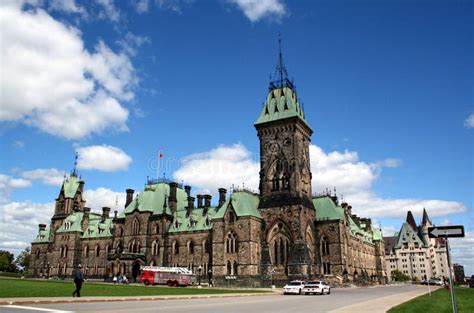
pixel 158 165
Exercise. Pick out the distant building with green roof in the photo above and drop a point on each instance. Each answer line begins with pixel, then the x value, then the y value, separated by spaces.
pixel 283 232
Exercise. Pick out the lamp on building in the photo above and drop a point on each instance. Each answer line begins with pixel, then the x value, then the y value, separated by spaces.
pixel 199 275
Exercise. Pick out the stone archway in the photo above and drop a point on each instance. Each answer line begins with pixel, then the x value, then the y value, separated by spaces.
pixel 135 271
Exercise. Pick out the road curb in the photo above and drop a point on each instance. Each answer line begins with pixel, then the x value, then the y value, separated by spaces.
pixel 119 299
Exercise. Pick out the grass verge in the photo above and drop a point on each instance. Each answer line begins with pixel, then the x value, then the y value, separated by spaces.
pixel 16 288
pixel 439 302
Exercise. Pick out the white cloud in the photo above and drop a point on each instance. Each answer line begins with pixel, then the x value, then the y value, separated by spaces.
pixel 8 184
pixel 18 144
pixel 220 167
pixel 469 121
pixel 19 223
pixel 389 230
pixel 109 10
pixel 130 43
pixel 103 158
pixel 141 6
pixel 255 10
pixel 171 5
pixel 50 81
pixel 390 162
pixel 48 176
pixel 103 197
pixel 68 6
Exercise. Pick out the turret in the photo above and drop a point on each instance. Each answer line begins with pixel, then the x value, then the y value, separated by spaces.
pixel 199 201
pixel 105 213
pixel 187 189
pixel 172 200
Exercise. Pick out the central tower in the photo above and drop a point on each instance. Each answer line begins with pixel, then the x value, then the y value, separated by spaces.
pixel 285 181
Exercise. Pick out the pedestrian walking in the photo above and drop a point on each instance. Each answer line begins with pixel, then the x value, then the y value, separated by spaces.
pixel 78 280
pixel 114 280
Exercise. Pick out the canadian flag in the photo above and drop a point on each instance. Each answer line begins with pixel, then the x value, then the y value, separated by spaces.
pixel 161 155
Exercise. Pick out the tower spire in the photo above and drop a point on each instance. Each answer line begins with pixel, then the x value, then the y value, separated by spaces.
pixel 74 170
pixel 280 77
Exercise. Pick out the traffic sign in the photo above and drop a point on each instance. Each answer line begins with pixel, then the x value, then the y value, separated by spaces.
pixel 446 231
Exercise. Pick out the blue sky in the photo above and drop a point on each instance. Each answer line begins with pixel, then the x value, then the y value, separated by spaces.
pixel 386 87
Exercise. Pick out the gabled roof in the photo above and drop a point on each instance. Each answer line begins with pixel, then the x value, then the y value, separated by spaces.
pixel 426 220
pixel 326 209
pixel 154 199
pixel 408 235
pixel 244 203
pixel 43 236
pixel 281 103
pixel 97 228
pixel 70 186
pixel 75 223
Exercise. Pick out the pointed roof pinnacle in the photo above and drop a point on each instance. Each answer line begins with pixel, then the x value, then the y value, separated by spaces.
pixel 280 77
pixel 411 220
pixel 426 220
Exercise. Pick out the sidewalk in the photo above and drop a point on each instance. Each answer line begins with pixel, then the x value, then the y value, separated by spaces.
pixel 383 304
pixel 45 300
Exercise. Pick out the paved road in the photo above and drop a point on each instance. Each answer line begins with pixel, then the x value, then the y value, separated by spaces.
pixel 338 299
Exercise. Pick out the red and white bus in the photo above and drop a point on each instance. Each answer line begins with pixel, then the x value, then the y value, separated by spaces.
pixel 171 276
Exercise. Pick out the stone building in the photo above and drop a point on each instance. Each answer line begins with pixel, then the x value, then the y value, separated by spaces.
pixel 413 253
pixel 281 233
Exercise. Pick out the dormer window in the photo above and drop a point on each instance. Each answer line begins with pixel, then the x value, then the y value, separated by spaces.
pixel 176 224
pixel 207 222
pixel 67 225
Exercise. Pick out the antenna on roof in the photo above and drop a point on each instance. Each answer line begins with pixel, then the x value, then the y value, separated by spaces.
pixel 280 78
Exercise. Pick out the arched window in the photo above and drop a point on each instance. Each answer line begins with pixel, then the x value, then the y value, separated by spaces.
pixel 176 247
pixel 231 243
pixel 324 246
pixel 229 268
pixel 191 247
pixel 135 227
pixel 97 250
pixel 235 268
pixel 205 246
pixel 231 217
pixel 120 231
pixel 37 253
pixel 65 251
pixel 86 251
pixel 157 229
pixel 155 248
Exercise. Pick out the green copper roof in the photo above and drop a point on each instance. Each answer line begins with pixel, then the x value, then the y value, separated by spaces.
pixel 70 186
pixel 43 236
pixel 281 103
pixel 407 235
pixel 244 203
pixel 72 223
pixel 326 209
pixel 154 199
pixel 97 228
pixel 196 221
pixel 376 234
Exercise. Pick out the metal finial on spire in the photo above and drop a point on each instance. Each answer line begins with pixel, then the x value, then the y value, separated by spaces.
pixel 74 170
pixel 280 78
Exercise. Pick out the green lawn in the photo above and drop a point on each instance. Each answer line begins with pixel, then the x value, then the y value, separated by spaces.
pixel 439 302
pixel 13 288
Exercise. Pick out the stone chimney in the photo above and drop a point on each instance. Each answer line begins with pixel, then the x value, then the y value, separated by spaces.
pixel 207 201
pixel 190 203
pixel 222 193
pixel 105 213
pixel 85 219
pixel 42 227
pixel 187 188
pixel 129 197
pixel 349 210
pixel 199 197
pixel 115 214
pixel 81 186
pixel 172 200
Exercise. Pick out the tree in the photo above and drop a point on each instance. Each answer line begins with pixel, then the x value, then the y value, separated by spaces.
pixel 23 259
pixel 399 276
pixel 6 262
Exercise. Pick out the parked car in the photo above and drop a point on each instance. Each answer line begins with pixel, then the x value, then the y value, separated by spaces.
pixel 436 282
pixel 424 282
pixel 294 287
pixel 471 282
pixel 316 287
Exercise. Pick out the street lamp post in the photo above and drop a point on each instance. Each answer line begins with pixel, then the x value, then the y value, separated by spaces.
pixel 199 275
pixel 272 273
pixel 209 277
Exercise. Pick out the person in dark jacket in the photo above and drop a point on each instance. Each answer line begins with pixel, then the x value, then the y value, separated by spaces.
pixel 78 280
